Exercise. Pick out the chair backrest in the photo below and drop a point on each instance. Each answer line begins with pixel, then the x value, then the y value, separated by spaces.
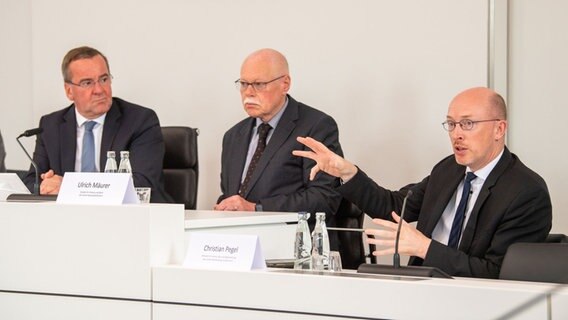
pixel 21 173
pixel 541 262
pixel 350 244
pixel 181 165
pixel 556 238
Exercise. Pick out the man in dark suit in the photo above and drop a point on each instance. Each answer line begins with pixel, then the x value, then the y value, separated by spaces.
pixel 111 123
pixel 279 181
pixel 471 207
pixel 276 180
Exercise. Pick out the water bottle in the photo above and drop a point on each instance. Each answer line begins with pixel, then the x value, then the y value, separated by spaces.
pixel 320 244
pixel 110 166
pixel 125 166
pixel 303 243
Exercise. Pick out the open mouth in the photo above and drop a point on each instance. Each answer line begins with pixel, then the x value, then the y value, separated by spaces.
pixel 459 148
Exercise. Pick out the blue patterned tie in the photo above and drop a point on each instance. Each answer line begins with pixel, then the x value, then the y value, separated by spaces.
pixel 457 225
pixel 88 151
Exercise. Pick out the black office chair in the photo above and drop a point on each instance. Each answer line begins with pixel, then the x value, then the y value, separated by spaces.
pixel 181 164
pixel 21 173
pixel 556 238
pixel 350 244
pixel 541 262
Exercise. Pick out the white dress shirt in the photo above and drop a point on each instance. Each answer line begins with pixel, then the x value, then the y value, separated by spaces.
pixel 442 230
pixel 98 135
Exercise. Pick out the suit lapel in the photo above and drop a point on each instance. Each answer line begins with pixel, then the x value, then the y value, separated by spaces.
pixel 446 189
pixel 471 226
pixel 285 127
pixel 68 138
pixel 110 129
pixel 238 155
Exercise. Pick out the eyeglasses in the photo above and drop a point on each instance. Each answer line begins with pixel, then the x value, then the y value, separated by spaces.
pixel 258 86
pixel 90 83
pixel 465 124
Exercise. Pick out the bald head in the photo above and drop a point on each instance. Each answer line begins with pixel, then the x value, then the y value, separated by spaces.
pixel 479 118
pixel 273 62
pixel 483 98
pixel 264 83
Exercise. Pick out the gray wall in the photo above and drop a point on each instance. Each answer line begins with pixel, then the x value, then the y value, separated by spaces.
pixel 538 73
pixel 385 70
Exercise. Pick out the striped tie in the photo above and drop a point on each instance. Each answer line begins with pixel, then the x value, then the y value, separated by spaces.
pixel 457 225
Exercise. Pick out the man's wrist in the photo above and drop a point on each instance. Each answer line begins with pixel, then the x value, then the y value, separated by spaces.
pixel 425 248
pixel 349 175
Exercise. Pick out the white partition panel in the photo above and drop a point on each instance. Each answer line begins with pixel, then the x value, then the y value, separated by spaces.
pixel 538 67
pixel 18 306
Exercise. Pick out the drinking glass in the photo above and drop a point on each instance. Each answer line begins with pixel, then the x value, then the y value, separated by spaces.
pixel 144 194
pixel 334 261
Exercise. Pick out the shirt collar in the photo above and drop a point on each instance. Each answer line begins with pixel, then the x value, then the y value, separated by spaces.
pixel 81 120
pixel 274 121
pixel 484 172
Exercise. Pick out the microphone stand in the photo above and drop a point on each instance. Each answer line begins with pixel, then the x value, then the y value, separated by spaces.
pixel 35 196
pixel 36 183
pixel 396 269
pixel 396 257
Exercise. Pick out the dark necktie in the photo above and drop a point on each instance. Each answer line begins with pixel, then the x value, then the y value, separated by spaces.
pixel 88 150
pixel 263 130
pixel 457 225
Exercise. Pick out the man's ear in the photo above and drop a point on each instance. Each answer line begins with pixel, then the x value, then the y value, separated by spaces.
pixel 286 82
pixel 501 129
pixel 68 91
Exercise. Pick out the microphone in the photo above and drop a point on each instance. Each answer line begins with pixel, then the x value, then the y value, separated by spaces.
pixel 30 133
pixel 396 269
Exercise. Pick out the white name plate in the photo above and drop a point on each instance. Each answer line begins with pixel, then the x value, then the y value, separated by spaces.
pixel 224 252
pixel 97 188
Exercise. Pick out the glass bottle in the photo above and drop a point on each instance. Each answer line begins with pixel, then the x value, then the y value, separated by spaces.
pixel 303 243
pixel 125 166
pixel 110 166
pixel 320 244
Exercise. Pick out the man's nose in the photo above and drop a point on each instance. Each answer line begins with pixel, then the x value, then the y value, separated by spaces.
pixel 249 91
pixel 457 133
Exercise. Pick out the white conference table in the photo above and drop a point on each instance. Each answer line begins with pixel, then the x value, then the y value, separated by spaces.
pixel 181 293
pixel 123 262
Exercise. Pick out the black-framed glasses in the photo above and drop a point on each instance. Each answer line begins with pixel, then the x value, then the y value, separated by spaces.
pixel 465 124
pixel 258 86
pixel 90 83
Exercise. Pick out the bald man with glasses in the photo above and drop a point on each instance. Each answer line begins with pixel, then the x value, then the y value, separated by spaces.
pixel 258 170
pixel 272 179
pixel 472 206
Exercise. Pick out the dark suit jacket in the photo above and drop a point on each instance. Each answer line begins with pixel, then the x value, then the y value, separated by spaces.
pixel 513 206
pixel 127 127
pixel 281 180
